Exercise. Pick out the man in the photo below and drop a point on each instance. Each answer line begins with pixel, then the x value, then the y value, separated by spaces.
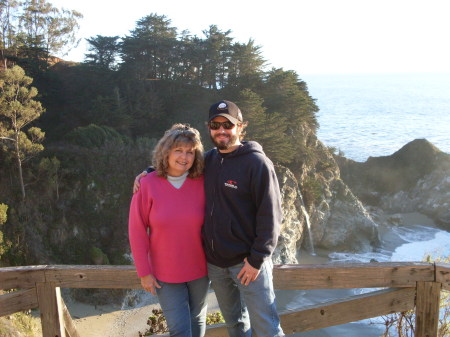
pixel 242 223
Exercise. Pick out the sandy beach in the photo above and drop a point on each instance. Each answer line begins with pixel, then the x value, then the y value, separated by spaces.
pixel 111 321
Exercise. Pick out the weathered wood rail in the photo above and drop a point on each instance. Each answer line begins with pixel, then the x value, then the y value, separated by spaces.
pixel 406 286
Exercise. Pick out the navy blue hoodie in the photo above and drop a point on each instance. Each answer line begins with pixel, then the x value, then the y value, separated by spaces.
pixel 243 206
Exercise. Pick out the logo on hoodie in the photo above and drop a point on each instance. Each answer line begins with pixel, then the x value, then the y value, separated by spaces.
pixel 231 183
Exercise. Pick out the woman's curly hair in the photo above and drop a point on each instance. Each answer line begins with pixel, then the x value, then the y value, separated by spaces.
pixel 178 134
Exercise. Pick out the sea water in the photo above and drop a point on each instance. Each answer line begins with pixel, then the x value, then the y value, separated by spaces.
pixel 377 114
pixel 415 242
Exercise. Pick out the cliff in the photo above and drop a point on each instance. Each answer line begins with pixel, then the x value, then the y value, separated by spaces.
pixel 416 178
pixel 315 190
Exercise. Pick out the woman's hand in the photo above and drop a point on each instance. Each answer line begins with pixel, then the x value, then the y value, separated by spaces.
pixel 137 183
pixel 149 283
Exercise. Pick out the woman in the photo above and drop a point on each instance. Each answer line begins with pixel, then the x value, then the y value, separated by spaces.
pixel 166 217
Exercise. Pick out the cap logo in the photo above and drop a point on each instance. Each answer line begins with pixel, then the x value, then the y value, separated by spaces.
pixel 222 106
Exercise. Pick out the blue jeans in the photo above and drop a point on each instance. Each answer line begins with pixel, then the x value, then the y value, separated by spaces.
pixel 248 310
pixel 184 306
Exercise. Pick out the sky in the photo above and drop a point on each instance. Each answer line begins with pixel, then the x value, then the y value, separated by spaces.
pixel 308 36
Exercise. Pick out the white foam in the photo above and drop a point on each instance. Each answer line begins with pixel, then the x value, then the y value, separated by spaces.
pixel 415 233
pixel 438 246
pixel 359 257
pixel 419 241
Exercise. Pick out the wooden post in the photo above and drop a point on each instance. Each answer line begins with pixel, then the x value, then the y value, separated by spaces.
pixel 50 306
pixel 71 330
pixel 427 309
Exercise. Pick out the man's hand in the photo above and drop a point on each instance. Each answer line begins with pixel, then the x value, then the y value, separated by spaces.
pixel 149 284
pixel 248 273
pixel 137 183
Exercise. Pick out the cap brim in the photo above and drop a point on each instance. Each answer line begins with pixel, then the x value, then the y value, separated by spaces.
pixel 227 116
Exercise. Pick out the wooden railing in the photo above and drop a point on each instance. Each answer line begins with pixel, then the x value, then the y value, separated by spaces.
pixel 405 286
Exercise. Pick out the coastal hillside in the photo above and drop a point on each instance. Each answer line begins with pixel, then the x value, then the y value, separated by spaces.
pixel 68 157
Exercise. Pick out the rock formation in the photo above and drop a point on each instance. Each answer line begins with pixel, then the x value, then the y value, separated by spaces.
pixel 416 178
pixel 338 219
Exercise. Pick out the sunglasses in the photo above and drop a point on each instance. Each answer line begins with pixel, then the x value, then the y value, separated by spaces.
pixel 216 125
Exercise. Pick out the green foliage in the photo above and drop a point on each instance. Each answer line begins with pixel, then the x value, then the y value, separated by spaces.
pixel 50 169
pixel 97 256
pixel 93 136
pixel 149 51
pixel 3 215
pixel 17 110
pixel 214 318
pixel 311 190
pixel 270 130
pixel 287 94
pixel 35 28
pixel 104 50
pixel 155 51
pixel 158 325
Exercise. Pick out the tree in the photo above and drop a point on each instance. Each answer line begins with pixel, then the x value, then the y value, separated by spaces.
pixel 267 129
pixel 246 66
pixel 32 30
pixel 104 50
pixel 17 110
pixel 150 50
pixel 287 94
pixel 218 52
pixel 47 27
pixel 8 14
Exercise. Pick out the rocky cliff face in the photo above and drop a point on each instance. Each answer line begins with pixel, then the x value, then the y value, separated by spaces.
pixel 338 220
pixel 416 178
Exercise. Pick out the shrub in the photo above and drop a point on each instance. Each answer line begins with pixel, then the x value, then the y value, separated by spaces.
pixel 98 257
pixel 158 325
pixel 402 324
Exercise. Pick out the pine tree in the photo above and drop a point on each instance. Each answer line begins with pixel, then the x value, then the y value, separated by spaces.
pixel 149 51
pixel 103 51
pixel 17 110
pixel 267 129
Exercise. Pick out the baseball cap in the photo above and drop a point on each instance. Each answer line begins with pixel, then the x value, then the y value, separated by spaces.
pixel 226 109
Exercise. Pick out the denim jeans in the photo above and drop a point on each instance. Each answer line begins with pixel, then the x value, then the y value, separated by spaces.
pixel 184 306
pixel 248 310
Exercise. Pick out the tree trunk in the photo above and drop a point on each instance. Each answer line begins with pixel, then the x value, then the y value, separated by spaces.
pixel 19 167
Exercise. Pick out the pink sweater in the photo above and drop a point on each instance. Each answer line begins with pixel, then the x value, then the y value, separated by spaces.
pixel 173 250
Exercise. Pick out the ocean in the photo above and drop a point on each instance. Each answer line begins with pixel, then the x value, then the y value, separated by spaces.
pixel 376 114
